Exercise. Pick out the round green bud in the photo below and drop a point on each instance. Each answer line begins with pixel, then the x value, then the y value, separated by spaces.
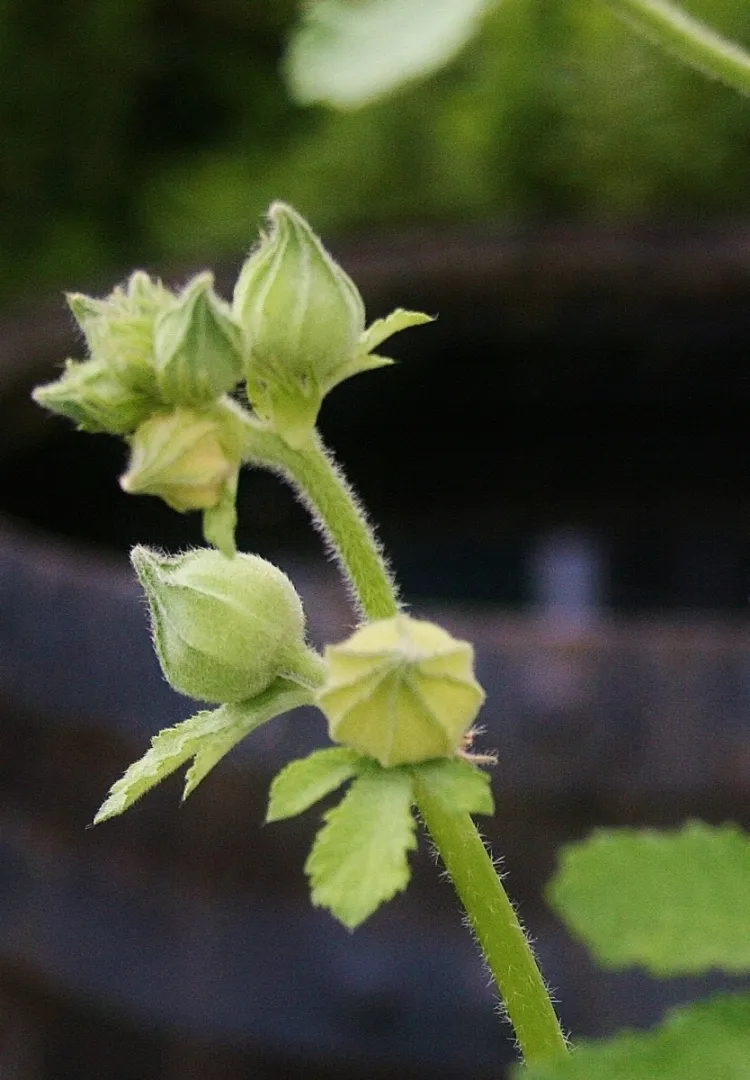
pixel 197 346
pixel 224 629
pixel 401 690
pixel 91 395
pixel 302 317
pixel 185 456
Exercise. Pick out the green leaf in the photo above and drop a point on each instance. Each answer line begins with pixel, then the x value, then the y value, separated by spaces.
pixel 459 785
pixel 671 901
pixel 705 1041
pixel 348 54
pixel 206 737
pixel 358 860
pixel 302 783
pixel 400 319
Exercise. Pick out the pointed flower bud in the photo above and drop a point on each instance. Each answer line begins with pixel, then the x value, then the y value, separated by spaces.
pixel 302 316
pixel 91 395
pixel 400 690
pixel 197 346
pixel 187 457
pixel 224 629
pixel 304 324
pixel 119 329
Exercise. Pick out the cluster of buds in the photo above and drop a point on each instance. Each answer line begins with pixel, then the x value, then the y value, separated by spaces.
pixel 162 366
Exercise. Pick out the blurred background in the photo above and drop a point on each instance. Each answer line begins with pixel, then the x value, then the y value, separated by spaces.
pixel 560 467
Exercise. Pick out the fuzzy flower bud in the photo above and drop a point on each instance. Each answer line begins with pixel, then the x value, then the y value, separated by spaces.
pixel 302 316
pixel 119 329
pixel 400 690
pixel 91 395
pixel 187 457
pixel 224 629
pixel 197 346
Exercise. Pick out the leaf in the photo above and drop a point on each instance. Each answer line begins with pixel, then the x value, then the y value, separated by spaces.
pixel 348 54
pixel 400 319
pixel 302 783
pixel 671 901
pixel 206 737
pixel 459 785
pixel 358 860
pixel 709 1039
pixel 281 696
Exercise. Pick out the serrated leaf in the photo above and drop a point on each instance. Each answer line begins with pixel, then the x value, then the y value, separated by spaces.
pixel 705 1041
pixel 281 696
pixel 459 785
pixel 670 901
pixel 302 783
pixel 359 857
pixel 206 737
pixel 349 54
pixel 400 319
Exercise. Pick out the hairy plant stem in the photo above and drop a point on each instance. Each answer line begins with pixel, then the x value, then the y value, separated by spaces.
pixel 498 931
pixel 336 513
pixel 323 489
pixel 690 40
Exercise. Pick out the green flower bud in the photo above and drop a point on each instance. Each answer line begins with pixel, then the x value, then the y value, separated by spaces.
pixel 224 629
pixel 91 395
pixel 401 690
pixel 302 317
pixel 187 457
pixel 197 346
pixel 119 329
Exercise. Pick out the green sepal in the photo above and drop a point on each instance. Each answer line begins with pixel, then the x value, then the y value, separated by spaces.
pixel 205 737
pixel 708 1039
pixel 400 319
pixel 359 858
pixel 669 901
pixel 304 782
pixel 459 785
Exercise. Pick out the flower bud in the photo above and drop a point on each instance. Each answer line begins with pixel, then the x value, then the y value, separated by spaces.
pixel 302 317
pixel 223 629
pixel 186 456
pixel 119 329
pixel 90 394
pixel 197 346
pixel 400 690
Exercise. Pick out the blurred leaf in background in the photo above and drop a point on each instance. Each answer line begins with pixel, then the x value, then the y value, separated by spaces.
pixel 158 131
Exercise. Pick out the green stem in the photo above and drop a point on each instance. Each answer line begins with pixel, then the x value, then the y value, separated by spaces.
pixel 337 515
pixel 690 40
pixel 500 935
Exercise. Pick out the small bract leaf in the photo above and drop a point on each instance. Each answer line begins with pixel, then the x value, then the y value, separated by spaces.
pixel 359 858
pixel 381 329
pixel 302 783
pixel 207 737
pixel 670 901
pixel 709 1039
pixel 349 54
pixel 460 786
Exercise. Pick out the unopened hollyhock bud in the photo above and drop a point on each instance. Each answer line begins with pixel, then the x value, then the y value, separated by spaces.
pixel 197 346
pixel 224 629
pixel 91 395
pixel 401 690
pixel 185 456
pixel 304 323
pixel 119 329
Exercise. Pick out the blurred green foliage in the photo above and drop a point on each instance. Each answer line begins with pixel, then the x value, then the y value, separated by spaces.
pixel 158 130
